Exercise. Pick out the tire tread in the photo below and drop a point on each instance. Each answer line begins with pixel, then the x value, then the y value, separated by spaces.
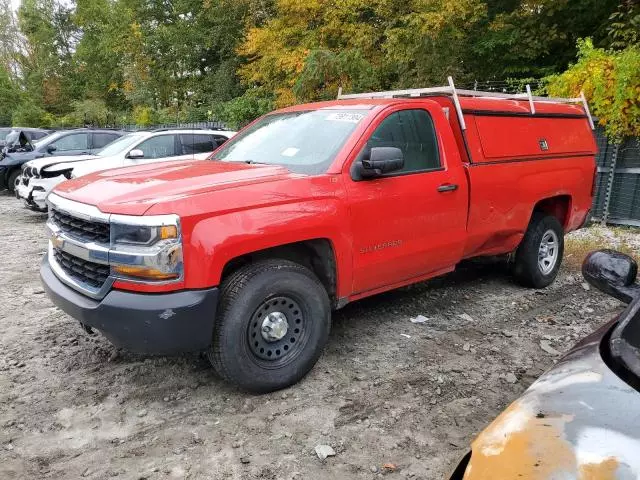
pixel 525 267
pixel 229 293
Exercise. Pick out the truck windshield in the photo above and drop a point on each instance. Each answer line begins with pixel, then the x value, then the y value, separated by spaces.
pixel 304 142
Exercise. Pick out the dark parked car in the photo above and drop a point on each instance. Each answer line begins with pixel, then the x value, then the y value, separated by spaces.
pixel 32 134
pixel 82 141
pixel 581 419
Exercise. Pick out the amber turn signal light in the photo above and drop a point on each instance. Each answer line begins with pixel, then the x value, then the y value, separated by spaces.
pixel 168 231
pixel 143 272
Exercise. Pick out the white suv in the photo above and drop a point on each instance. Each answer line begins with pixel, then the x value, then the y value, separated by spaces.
pixel 40 176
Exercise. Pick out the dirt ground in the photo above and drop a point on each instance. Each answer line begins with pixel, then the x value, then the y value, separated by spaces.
pixel 386 391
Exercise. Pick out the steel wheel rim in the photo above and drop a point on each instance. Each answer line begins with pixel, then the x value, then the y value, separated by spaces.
pixel 275 349
pixel 548 252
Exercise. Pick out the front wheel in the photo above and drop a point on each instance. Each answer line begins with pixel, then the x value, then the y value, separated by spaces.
pixel 12 181
pixel 539 255
pixel 273 322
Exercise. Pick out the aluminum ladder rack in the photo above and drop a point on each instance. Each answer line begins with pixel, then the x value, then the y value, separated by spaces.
pixel 456 93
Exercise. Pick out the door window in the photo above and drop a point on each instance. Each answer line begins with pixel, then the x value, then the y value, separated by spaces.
pixel 411 131
pixel 73 141
pixel 158 147
pixel 194 144
pixel 103 139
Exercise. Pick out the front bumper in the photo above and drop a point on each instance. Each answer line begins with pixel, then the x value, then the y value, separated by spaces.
pixel 164 323
pixel 34 191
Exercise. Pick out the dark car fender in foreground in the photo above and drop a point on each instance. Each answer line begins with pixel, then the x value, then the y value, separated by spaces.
pixel 577 421
pixel 580 420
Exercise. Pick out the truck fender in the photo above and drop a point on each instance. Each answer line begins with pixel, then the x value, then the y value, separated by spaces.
pixel 218 240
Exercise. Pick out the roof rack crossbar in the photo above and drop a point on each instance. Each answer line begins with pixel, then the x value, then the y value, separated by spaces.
pixel 456 93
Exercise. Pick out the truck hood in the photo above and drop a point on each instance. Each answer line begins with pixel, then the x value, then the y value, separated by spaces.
pixel 45 162
pixel 133 190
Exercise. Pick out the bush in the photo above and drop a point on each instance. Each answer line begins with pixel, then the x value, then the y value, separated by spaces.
pixel 242 110
pixel 142 116
pixel 28 114
pixel 611 83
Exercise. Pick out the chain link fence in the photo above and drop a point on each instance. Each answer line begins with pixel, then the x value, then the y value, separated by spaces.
pixel 617 198
pixel 212 125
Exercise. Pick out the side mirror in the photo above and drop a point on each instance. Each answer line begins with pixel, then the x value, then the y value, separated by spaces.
pixel 381 160
pixel 51 148
pixel 135 153
pixel 613 273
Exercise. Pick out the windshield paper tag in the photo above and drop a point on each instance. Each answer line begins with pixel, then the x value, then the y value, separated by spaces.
pixel 290 152
pixel 345 117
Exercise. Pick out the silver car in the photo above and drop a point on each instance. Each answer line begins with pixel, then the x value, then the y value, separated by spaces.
pixel 40 176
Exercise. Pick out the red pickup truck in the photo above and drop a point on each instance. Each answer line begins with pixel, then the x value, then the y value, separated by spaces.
pixel 245 255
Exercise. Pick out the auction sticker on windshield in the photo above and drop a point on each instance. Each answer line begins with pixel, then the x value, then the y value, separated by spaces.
pixel 290 152
pixel 345 117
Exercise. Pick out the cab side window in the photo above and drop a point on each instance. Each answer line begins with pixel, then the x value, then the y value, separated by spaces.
pixel 159 147
pixel 74 141
pixel 413 132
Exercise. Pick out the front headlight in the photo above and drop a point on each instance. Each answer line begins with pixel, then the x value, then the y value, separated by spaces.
pixel 146 248
pixel 141 234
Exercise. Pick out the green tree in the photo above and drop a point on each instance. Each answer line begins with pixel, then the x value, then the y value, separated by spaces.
pixel 624 29
pixel 98 62
pixel 28 114
pixel 9 97
pixel 45 60
pixel 524 38
pixel 240 111
pixel 313 45
pixel 10 39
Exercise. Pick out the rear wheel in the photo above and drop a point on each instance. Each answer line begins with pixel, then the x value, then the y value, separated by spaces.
pixel 273 322
pixel 12 181
pixel 539 255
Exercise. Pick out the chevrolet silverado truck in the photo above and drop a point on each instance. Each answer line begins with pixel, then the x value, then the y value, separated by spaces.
pixel 312 207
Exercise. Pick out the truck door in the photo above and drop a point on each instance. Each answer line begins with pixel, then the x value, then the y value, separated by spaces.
pixel 412 222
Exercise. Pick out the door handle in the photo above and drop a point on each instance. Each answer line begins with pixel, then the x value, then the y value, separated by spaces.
pixel 447 187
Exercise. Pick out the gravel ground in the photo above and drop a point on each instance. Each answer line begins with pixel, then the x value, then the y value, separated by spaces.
pixel 386 391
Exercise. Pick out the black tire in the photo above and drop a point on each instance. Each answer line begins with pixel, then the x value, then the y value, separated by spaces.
pixel 241 354
pixel 11 180
pixel 526 268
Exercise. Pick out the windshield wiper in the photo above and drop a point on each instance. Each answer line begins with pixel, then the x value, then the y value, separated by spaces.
pixel 253 162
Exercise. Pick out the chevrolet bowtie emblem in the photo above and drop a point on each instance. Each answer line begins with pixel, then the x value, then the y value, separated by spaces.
pixel 56 241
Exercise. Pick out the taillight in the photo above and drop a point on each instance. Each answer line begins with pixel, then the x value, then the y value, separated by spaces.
pixel 594 185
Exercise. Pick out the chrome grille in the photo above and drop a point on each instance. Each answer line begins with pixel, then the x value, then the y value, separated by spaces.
pixel 88 273
pixel 86 230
